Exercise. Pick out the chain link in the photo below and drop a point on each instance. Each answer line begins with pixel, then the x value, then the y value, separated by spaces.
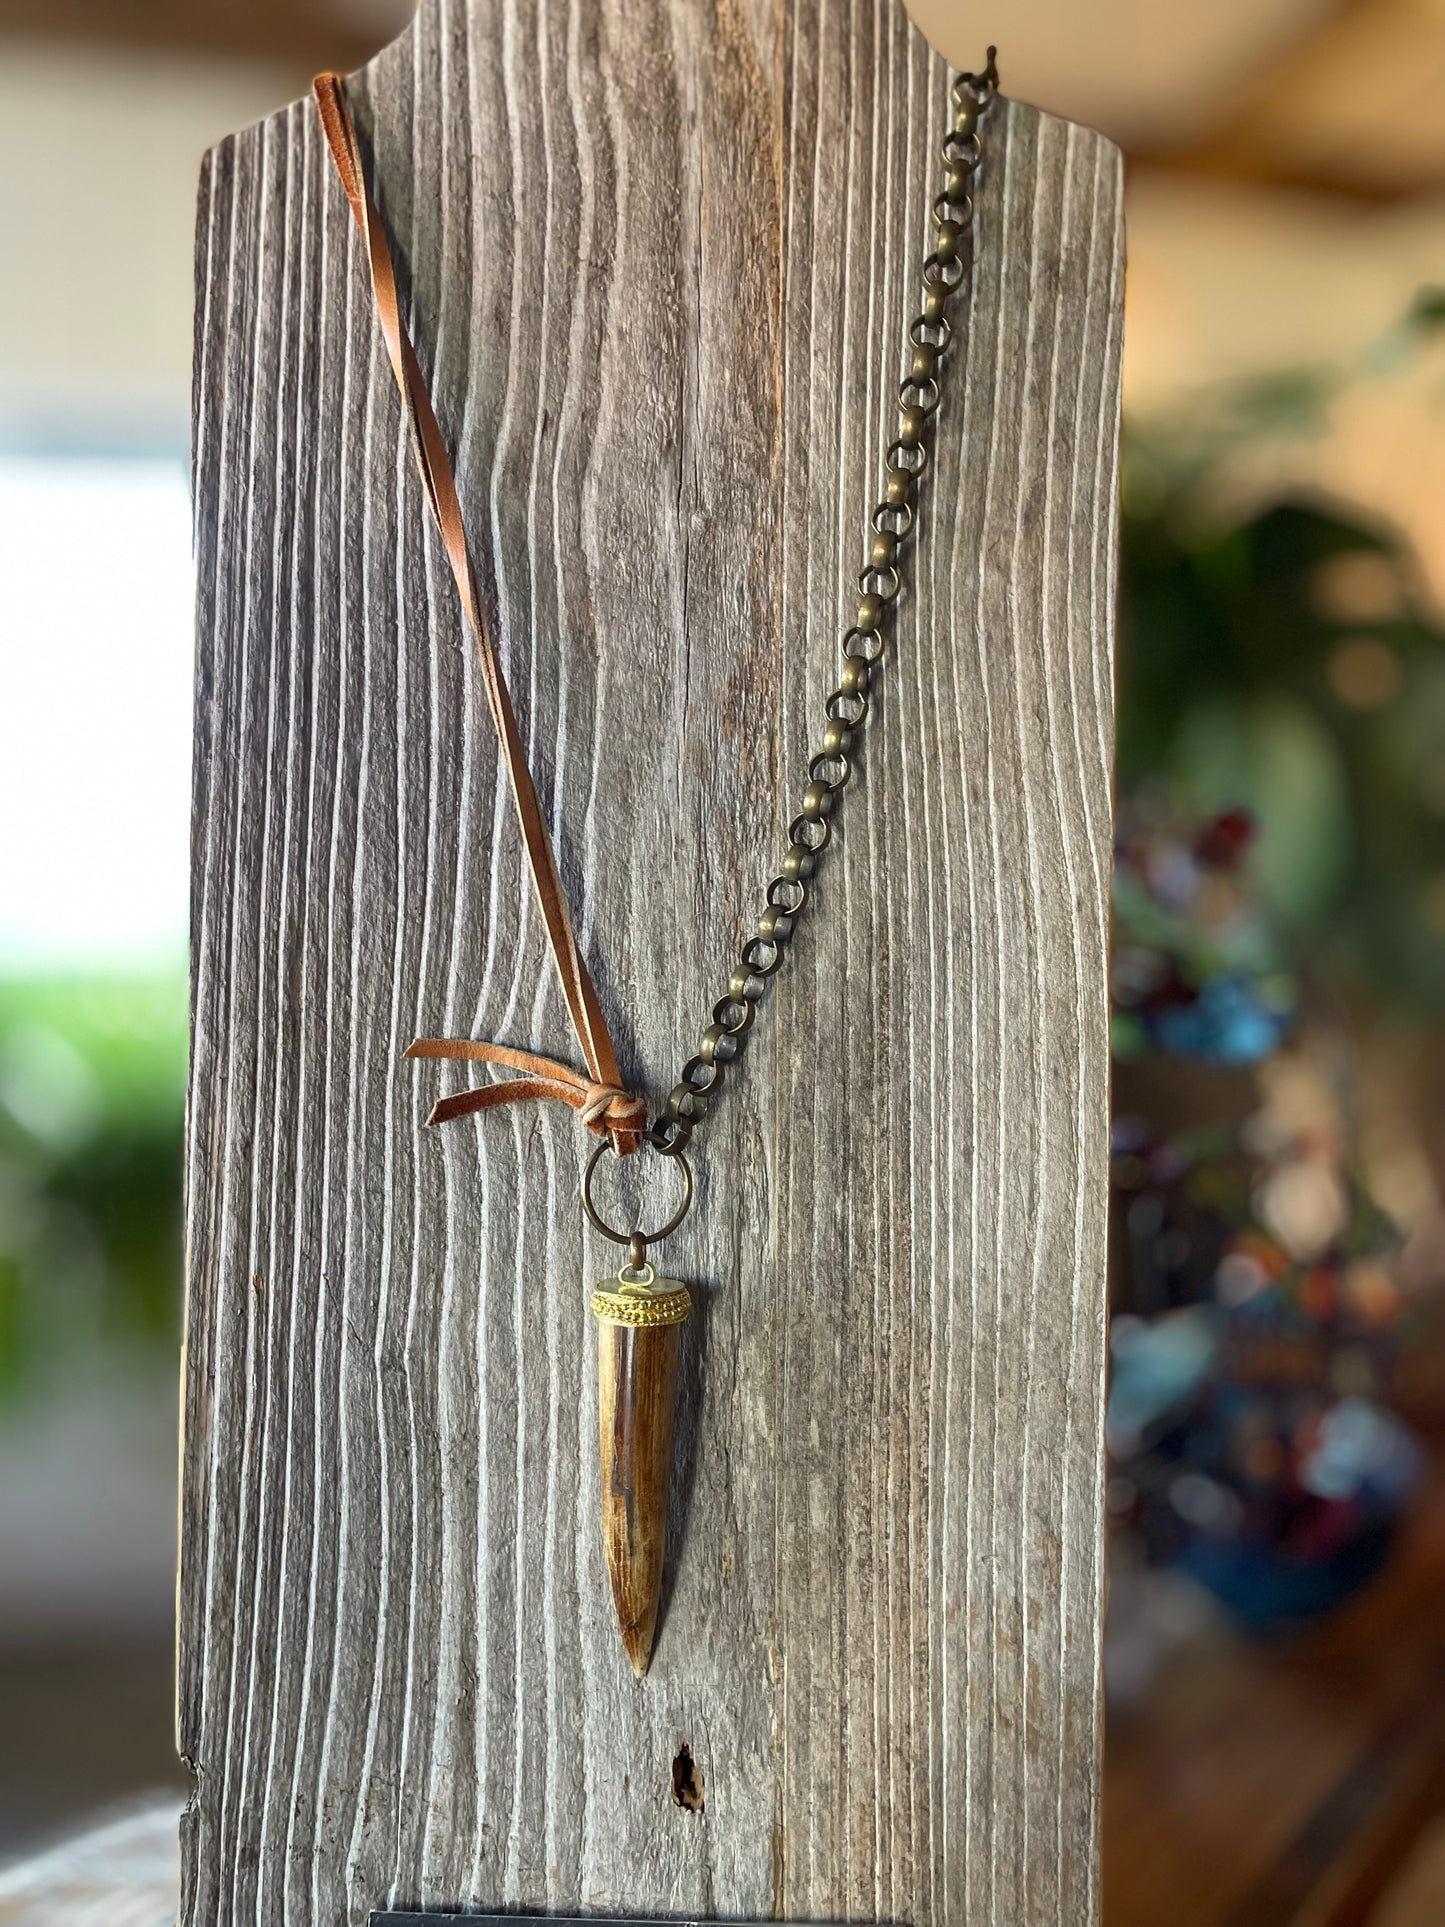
pixel 892 522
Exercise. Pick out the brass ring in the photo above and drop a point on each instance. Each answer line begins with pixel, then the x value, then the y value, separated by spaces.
pixel 626 1237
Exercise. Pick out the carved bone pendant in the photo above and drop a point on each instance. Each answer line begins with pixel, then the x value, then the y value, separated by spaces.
pixel 639 1337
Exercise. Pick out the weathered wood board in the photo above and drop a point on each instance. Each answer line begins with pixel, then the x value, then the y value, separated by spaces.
pixel 662 255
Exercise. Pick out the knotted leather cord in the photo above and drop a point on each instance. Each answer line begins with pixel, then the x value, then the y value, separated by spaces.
pixel 592 1102
pixel 600 1100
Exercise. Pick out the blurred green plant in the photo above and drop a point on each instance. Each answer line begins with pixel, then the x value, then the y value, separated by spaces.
pixel 1285 662
pixel 92 1091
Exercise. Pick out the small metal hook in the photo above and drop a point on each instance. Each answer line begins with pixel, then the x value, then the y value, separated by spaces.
pixel 983 85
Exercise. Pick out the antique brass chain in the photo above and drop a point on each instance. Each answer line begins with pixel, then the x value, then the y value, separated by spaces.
pixel 811 830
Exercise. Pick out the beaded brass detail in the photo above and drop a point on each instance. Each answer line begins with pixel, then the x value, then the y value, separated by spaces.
pixel 631 1302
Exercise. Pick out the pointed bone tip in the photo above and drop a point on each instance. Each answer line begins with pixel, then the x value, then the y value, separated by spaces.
pixel 639 1650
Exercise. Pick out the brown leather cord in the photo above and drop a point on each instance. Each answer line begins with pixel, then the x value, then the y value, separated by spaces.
pixel 601 1102
pixel 601 1107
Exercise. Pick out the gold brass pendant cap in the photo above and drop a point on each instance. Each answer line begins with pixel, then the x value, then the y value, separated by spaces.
pixel 640 1303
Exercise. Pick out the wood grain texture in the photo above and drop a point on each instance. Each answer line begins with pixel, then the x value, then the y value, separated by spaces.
pixel 662 255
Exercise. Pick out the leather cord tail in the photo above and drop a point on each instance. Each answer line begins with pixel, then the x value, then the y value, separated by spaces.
pixel 601 1102
pixel 603 1108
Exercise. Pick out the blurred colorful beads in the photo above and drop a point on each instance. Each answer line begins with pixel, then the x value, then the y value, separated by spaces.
pixel 1228 1023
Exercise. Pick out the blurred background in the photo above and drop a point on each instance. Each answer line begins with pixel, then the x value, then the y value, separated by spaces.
pixel 1276 1434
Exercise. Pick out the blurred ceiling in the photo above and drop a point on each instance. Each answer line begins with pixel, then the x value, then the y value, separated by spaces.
pixel 1352 104
pixel 305 34
pixel 1286 202
pixel 1340 95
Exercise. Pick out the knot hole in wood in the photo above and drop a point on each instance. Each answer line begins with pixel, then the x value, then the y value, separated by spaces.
pixel 687 1788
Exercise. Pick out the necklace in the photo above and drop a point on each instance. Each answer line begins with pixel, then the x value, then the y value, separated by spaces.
pixel 640 1315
